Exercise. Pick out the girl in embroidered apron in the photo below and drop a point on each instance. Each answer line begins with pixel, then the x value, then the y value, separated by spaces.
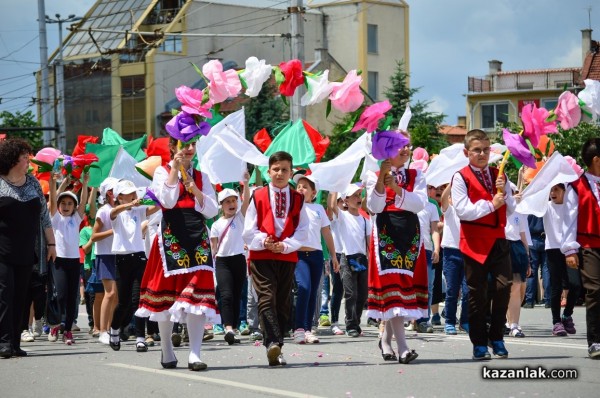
pixel 397 264
pixel 178 284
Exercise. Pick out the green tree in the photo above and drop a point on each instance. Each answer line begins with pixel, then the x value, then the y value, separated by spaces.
pixel 18 119
pixel 266 110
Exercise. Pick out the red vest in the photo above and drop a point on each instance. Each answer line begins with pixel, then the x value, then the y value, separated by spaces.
pixel 477 237
pixel 588 214
pixel 187 200
pixel 390 195
pixel 266 223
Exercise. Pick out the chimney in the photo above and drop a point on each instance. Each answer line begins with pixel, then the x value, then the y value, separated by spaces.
pixel 586 43
pixel 495 67
pixel 461 121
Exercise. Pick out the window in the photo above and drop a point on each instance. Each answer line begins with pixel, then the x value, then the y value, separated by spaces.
pixel 549 104
pixel 133 106
pixel 373 79
pixel 171 44
pixel 372 45
pixel 491 114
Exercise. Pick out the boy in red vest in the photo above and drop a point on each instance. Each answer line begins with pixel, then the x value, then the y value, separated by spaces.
pixel 482 200
pixel 582 234
pixel 275 228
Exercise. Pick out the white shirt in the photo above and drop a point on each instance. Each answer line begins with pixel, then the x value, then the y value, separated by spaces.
pixel 317 219
pixel 104 246
pixel 515 224
pixel 411 201
pixel 127 228
pixel 66 232
pixel 335 233
pixel 451 232
pixel 570 245
pixel 151 231
pixel 255 238
pixel 353 230
pixel 554 220
pixel 168 194
pixel 469 211
pixel 426 216
pixel 232 243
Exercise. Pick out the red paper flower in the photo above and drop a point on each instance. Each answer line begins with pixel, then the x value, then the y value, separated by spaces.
pixel 85 159
pixel 292 71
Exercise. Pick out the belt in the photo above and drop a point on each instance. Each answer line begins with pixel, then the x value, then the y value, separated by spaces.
pixel 541 235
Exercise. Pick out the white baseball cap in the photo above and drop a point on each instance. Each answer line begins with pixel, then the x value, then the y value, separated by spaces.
pixel 124 187
pixel 351 190
pixel 226 193
pixel 108 184
pixel 70 195
pixel 309 177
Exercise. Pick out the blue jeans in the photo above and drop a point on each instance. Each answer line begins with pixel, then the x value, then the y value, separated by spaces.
pixel 308 277
pixel 537 255
pixel 244 302
pixel 430 281
pixel 454 272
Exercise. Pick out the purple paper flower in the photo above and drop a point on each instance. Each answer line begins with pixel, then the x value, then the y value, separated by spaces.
pixel 518 147
pixel 386 144
pixel 183 127
pixel 151 196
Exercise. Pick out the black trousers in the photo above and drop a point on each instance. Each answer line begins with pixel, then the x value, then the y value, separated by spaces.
pixel 590 276
pixel 273 281
pixel 130 270
pixel 36 294
pixel 231 274
pixel 355 293
pixel 66 273
pixel 561 275
pixel 494 294
pixel 14 284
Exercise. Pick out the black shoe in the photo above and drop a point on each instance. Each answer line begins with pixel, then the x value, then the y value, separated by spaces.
pixel 528 305
pixel 176 339
pixel 231 339
pixel 387 357
pixel 18 352
pixel 141 347
pixel 353 333
pixel 373 322
pixel 6 352
pixel 197 366
pixel 547 305
pixel 115 346
pixel 168 365
pixel 156 336
pixel 207 335
pixel 123 336
pixel 411 356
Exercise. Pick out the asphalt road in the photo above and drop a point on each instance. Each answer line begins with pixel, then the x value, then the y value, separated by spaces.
pixel 339 366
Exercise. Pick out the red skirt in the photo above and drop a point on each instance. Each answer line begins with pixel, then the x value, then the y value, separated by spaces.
pixel 397 294
pixel 171 298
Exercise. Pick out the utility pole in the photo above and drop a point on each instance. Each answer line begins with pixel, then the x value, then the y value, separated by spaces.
pixel 296 11
pixel 45 88
pixel 60 80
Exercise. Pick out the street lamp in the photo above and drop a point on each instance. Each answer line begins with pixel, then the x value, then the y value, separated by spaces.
pixel 59 82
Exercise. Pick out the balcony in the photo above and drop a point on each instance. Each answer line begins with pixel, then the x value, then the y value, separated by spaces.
pixel 547 79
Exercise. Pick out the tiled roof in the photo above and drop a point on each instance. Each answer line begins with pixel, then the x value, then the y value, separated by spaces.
pixel 591 65
pixel 536 71
pixel 453 130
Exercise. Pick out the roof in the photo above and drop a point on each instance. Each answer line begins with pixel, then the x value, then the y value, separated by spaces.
pixel 537 71
pixel 591 64
pixel 453 130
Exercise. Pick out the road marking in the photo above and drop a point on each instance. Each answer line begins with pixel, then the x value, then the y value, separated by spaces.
pixel 530 343
pixel 228 383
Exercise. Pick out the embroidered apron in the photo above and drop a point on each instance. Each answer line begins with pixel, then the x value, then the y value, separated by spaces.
pixel 397 241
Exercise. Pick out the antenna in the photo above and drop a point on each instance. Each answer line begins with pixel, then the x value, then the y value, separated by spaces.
pixel 589 10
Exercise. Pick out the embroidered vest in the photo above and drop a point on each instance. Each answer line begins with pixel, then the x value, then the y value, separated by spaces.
pixel 588 214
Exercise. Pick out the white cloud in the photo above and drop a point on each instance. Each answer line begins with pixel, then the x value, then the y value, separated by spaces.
pixel 570 57
pixel 438 105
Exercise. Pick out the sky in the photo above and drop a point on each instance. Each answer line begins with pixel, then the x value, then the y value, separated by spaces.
pixel 449 41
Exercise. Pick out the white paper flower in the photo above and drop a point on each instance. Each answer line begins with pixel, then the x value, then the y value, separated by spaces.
pixel 256 74
pixel 591 96
pixel 319 88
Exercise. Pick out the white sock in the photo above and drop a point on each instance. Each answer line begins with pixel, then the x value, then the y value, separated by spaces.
pixel 166 346
pixel 140 340
pixel 114 335
pixel 195 325
pixel 397 325
pixel 386 338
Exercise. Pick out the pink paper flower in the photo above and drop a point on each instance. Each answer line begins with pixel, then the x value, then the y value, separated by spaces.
pixel 419 164
pixel 191 101
pixel 568 110
pixel 47 155
pixel 222 85
pixel 574 165
pixel 420 154
pixel 369 120
pixel 346 96
pixel 292 72
pixel 535 124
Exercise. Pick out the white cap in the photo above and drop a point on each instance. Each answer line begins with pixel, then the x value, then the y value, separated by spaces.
pixel 108 184
pixel 124 187
pixel 310 178
pixel 226 193
pixel 69 194
pixel 351 190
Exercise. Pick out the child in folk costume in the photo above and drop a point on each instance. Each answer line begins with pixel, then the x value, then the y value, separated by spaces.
pixel 582 233
pixel 482 208
pixel 397 266
pixel 178 283
pixel 230 262
pixel 275 228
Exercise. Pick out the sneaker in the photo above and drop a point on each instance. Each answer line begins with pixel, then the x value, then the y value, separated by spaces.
pixel 559 329
pixel 207 335
pixel 335 329
pixel 37 328
pixel 68 338
pixel 372 322
pixel 274 355
pixel 424 327
pixel 149 341
pixel 104 338
pixel 141 346
pixel 310 338
pixel 53 335
pixel 324 320
pixel 230 338
pixel 244 329
pixel 499 349
pixel 176 339
pixel 75 328
pixel 46 329
pixel 436 320
pixel 528 305
pixel 410 327
pixel 594 351
pixel 256 336
pixel 218 329
pixel 516 332
pixel 299 335
pixel 352 333
pixel 27 337
pixel 569 325
pixel 450 330
pixel 464 327
pixel 480 352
